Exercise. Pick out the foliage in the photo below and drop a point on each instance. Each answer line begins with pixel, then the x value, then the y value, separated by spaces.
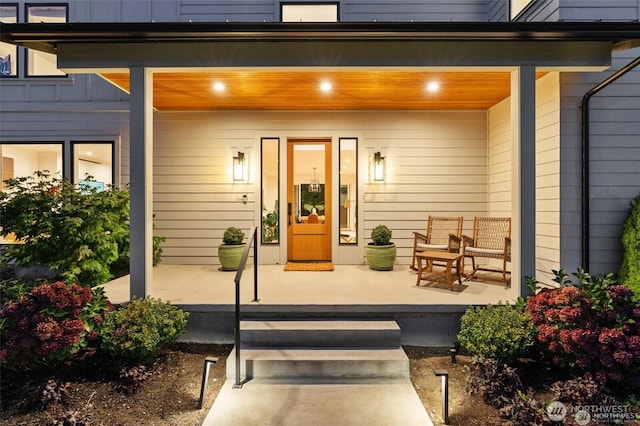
pixel 532 285
pixel 13 289
pixel 629 273
pixel 132 378
pixel 233 236
pixel 311 200
pixel 140 328
pixel 584 390
pixel 54 392
pixel 52 323
pixel 270 224
pixel 75 230
pixel 500 386
pixel 381 235
pixel 122 264
pixel 592 326
pixel 496 331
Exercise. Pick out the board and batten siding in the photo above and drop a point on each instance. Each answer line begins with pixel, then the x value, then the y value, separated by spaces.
pixel 582 11
pixel 547 171
pixel 269 10
pixel 436 164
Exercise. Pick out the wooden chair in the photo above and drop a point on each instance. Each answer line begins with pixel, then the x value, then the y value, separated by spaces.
pixel 437 236
pixel 492 240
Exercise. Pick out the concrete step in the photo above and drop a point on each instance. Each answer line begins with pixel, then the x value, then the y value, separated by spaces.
pixel 324 364
pixel 320 334
pixel 383 403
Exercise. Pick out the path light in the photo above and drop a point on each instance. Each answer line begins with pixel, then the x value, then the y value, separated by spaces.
pixel 445 394
pixel 205 377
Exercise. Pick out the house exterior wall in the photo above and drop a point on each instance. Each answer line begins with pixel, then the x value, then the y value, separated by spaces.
pixel 614 163
pixel 269 10
pixel 547 170
pixel 581 11
pixel 615 130
pixel 87 107
pixel 436 165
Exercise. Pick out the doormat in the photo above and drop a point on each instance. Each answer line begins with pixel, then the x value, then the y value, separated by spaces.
pixel 308 266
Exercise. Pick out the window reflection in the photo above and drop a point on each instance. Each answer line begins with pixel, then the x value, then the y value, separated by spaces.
pixel 270 191
pixel 348 190
pixel 95 160
pixel 40 63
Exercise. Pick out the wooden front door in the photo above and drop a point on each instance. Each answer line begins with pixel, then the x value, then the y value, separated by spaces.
pixel 308 199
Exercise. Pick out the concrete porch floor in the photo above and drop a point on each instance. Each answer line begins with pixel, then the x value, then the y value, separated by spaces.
pixel 347 285
pixel 429 314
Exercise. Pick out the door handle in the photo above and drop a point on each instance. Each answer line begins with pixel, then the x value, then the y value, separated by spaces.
pixel 289 213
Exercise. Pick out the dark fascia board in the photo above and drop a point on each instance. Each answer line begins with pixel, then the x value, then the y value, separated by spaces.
pixel 47 36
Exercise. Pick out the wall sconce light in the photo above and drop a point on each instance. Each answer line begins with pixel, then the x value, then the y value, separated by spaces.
pixel 378 167
pixel 238 167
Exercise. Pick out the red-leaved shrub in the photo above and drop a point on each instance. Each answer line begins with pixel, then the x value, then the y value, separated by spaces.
pixel 51 323
pixel 592 332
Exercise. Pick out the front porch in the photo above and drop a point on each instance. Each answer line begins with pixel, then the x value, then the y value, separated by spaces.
pixel 428 315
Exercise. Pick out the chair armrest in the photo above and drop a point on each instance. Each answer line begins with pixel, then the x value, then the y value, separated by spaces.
pixel 507 249
pixel 418 238
pixel 454 243
pixel 468 241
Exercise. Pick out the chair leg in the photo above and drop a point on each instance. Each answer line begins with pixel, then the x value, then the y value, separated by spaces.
pixel 413 262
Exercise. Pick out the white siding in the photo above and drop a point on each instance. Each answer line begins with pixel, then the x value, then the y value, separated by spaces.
pixel 547 176
pixel 547 171
pixel 436 164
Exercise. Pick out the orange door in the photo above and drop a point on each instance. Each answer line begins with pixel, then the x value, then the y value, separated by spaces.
pixel 309 199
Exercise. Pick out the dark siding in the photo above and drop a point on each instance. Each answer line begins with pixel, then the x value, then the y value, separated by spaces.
pixel 614 162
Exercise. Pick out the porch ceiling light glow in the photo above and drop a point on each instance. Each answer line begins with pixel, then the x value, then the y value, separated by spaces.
pixel 219 87
pixel 433 86
pixel 238 167
pixel 326 86
pixel 378 167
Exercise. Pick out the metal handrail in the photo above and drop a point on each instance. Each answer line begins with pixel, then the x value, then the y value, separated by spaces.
pixel 241 266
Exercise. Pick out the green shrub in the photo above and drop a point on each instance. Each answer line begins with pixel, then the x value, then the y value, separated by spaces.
pixel 496 331
pixel 140 328
pixel 629 273
pixel 233 236
pixel 381 235
pixel 75 230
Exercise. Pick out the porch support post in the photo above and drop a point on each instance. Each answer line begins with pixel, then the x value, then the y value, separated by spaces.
pixel 141 180
pixel 523 175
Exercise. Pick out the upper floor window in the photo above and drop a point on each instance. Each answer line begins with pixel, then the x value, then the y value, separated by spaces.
pixel 309 12
pixel 517 6
pixel 8 52
pixel 41 63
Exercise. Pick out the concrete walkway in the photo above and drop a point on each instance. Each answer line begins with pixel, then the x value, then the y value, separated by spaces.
pixel 313 403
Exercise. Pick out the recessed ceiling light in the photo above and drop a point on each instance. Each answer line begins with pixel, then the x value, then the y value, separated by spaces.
pixel 89 153
pixel 326 86
pixel 433 86
pixel 219 86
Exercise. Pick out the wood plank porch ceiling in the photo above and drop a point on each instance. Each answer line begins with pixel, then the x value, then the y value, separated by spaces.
pixel 300 90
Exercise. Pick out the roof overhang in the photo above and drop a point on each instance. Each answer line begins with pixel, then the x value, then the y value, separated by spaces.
pixel 86 47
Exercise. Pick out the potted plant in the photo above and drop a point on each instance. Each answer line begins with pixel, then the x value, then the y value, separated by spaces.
pixel 230 251
pixel 381 252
